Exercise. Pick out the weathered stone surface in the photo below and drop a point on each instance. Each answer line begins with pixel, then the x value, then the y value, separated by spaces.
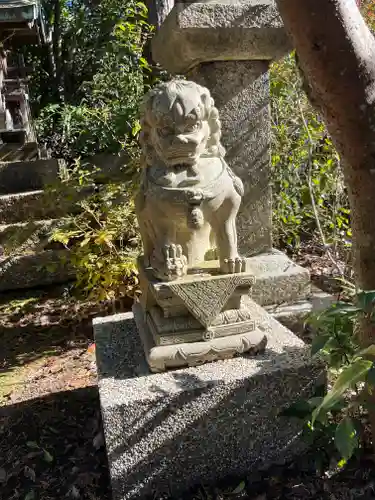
pixel 182 329
pixel 186 352
pixel 31 236
pixel 278 280
pixel 32 205
pixel 241 93
pixel 186 208
pixel 294 315
pixel 188 194
pixel 204 294
pixel 19 176
pixel 16 152
pixel 27 271
pixel 167 432
pixel 195 33
pixel 227 46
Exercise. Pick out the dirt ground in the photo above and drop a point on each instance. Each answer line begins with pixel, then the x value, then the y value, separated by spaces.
pixel 51 439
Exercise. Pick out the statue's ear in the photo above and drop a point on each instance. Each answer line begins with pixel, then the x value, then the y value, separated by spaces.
pixel 213 143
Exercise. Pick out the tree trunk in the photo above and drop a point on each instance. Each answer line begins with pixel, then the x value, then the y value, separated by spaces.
pixel 336 53
pixel 57 46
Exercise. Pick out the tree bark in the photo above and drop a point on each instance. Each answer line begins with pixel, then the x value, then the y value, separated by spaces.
pixel 336 53
pixel 57 45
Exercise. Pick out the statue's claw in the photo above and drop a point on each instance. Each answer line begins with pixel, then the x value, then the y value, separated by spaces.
pixel 174 263
pixel 239 265
pixel 232 266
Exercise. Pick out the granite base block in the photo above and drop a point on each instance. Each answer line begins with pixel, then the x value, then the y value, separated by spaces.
pixel 167 432
pixel 278 280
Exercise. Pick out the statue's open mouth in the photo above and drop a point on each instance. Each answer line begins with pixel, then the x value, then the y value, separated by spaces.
pixel 181 154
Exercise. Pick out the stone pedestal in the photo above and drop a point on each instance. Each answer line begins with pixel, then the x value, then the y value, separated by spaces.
pixel 204 316
pixel 168 432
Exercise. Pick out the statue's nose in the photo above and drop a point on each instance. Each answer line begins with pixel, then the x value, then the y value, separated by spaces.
pixel 180 139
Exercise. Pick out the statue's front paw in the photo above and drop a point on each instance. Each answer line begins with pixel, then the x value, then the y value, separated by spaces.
pixel 175 262
pixel 232 266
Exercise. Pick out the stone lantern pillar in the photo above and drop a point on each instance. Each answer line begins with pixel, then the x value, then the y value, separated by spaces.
pixel 227 47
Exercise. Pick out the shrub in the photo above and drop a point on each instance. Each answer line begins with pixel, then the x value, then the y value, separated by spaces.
pixel 309 195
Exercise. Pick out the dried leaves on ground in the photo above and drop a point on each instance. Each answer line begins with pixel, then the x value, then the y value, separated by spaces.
pixel 51 437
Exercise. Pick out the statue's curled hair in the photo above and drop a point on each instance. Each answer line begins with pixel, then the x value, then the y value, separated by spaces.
pixel 180 97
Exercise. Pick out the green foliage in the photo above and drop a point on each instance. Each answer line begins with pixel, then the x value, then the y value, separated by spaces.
pixel 309 195
pixel 346 438
pixel 102 237
pixel 86 88
pixel 368 11
pixel 87 102
pixel 306 173
pixel 336 414
pixel 98 74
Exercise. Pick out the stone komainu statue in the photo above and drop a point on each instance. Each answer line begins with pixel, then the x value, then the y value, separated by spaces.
pixel 189 197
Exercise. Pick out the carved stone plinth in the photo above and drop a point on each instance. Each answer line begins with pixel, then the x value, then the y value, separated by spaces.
pixel 201 317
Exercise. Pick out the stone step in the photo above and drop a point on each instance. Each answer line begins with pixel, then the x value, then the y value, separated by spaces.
pixel 18 152
pixel 28 271
pixel 294 315
pixel 27 237
pixel 20 176
pixel 15 136
pixel 31 205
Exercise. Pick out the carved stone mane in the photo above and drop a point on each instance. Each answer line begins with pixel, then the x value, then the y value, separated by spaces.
pixel 155 107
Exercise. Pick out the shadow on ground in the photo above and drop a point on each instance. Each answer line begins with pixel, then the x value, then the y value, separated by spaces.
pixel 52 448
pixel 38 323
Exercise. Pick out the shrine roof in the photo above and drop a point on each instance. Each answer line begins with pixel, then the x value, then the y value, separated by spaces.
pixel 19 10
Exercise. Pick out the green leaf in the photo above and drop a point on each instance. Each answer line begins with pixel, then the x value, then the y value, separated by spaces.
pixel 47 456
pixel 346 438
pixel 370 379
pixel 368 351
pixel 30 495
pixel 299 409
pixel 32 444
pixel 352 374
pixel 342 308
pixel 85 241
pixel 302 408
pixel 239 488
pixel 305 196
pixel 319 341
pixel 341 463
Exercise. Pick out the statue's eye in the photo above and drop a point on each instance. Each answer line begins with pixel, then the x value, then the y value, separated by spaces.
pixel 193 127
